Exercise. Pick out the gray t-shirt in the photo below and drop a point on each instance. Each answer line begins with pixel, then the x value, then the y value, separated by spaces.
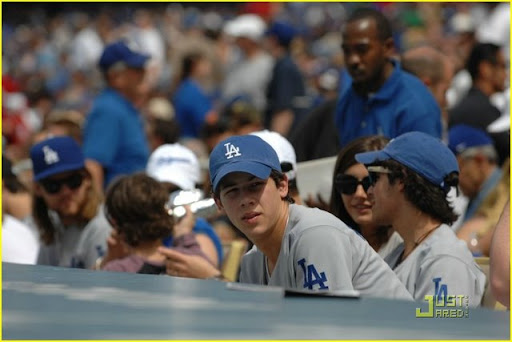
pixel 320 252
pixel 441 264
pixel 77 246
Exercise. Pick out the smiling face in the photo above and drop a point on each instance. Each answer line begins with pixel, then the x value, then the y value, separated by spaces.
pixel 71 195
pixel 366 55
pixel 358 205
pixel 255 206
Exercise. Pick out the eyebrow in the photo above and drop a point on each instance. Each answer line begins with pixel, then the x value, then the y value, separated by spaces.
pixel 228 184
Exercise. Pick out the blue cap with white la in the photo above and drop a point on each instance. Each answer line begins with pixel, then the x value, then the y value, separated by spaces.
pixel 56 155
pixel 463 137
pixel 418 151
pixel 121 52
pixel 244 153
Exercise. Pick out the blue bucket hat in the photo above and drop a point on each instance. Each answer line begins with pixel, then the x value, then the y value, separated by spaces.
pixel 418 151
pixel 244 153
pixel 462 137
pixel 120 52
pixel 56 155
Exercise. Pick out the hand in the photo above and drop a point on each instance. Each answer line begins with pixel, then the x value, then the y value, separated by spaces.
pixel 116 248
pixel 185 224
pixel 189 266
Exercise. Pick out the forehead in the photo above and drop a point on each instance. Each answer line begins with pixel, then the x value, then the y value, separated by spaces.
pixel 235 178
pixel 364 28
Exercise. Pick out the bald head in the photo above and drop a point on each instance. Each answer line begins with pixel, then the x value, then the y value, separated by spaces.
pixel 433 68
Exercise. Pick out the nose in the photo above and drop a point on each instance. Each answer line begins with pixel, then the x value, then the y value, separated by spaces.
pixel 352 59
pixel 360 191
pixel 246 200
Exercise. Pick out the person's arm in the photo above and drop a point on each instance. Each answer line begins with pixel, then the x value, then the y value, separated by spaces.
pixel 190 266
pixel 500 259
pixel 282 122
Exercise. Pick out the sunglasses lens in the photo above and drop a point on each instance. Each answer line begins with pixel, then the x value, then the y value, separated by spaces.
pixel 346 184
pixel 51 187
pixel 74 181
pixel 366 183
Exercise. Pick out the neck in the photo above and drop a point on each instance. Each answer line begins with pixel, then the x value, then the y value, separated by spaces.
pixel 414 227
pixel 375 84
pixel 375 236
pixel 484 87
pixel 270 245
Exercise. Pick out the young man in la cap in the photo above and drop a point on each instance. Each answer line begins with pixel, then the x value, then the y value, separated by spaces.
pixel 411 177
pixel 295 247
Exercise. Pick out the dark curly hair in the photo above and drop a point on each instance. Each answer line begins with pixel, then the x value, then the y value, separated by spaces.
pixel 424 195
pixel 345 160
pixel 136 206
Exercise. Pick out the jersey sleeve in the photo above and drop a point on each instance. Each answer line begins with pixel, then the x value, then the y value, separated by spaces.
pixel 448 276
pixel 322 260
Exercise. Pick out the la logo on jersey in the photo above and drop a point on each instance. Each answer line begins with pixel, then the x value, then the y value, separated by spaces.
pixel 50 156
pixel 312 277
pixel 443 305
pixel 232 151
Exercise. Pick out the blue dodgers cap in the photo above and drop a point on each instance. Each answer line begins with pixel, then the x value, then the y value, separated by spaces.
pixel 282 31
pixel 120 52
pixel 243 153
pixel 56 155
pixel 462 137
pixel 418 151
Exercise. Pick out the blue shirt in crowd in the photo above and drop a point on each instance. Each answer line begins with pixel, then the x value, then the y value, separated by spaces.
pixel 403 104
pixel 191 105
pixel 114 136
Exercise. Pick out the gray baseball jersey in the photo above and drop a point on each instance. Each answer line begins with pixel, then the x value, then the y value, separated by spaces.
pixel 77 246
pixel 320 252
pixel 394 240
pixel 441 265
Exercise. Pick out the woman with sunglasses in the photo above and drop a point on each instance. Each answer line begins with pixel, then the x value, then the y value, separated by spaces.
pixel 66 209
pixel 349 201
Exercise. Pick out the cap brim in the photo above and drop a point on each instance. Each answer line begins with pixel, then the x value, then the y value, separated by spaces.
pixel 256 169
pixel 371 157
pixel 51 172
pixel 137 61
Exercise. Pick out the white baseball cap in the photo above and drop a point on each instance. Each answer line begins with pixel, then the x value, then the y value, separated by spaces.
pixel 284 149
pixel 175 164
pixel 246 25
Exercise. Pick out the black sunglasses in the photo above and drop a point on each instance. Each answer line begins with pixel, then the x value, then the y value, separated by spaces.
pixel 53 186
pixel 347 184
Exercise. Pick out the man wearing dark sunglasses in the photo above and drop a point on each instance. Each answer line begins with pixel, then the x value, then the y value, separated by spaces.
pixel 66 210
pixel 410 179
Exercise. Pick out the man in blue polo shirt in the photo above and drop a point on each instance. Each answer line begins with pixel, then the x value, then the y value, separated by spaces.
pixel 380 98
pixel 114 138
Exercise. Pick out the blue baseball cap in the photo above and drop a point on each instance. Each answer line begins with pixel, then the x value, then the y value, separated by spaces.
pixel 120 52
pixel 418 151
pixel 243 153
pixel 282 31
pixel 462 137
pixel 56 155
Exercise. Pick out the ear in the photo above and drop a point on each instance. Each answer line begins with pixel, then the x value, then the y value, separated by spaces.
pixel 389 47
pixel 218 202
pixel 485 70
pixel 282 187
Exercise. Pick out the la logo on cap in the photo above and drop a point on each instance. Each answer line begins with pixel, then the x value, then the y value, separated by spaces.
pixel 232 151
pixel 50 156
